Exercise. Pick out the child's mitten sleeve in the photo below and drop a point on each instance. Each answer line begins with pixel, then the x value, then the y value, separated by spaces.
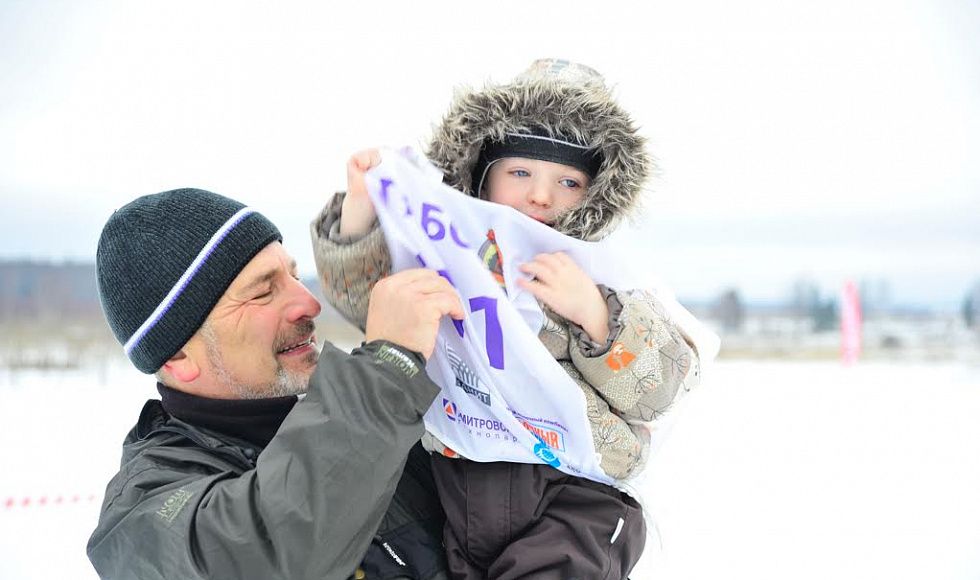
pixel 645 362
pixel 348 267
pixel 619 444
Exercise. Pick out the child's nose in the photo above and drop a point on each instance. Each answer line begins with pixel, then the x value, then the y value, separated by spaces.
pixel 540 194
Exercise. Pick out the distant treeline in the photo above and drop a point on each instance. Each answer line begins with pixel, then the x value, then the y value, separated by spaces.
pixel 43 292
pixel 51 318
pixel 40 291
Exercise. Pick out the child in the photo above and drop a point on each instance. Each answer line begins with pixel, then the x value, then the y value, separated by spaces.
pixel 555 146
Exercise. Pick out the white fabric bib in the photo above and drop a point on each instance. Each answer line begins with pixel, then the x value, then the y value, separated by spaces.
pixel 504 397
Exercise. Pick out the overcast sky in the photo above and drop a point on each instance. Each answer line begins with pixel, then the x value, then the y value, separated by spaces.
pixel 836 140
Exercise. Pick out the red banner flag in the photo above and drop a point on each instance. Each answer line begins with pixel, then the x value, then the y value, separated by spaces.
pixel 850 324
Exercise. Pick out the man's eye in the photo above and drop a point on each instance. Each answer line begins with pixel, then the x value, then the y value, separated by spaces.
pixel 265 294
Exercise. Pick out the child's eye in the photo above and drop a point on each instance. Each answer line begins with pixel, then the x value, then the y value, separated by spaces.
pixel 570 183
pixel 520 173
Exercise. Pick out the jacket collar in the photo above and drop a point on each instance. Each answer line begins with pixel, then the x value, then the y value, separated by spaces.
pixel 253 420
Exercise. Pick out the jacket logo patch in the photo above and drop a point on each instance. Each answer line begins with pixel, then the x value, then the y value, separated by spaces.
pixel 393 554
pixel 401 360
pixel 174 504
pixel 619 358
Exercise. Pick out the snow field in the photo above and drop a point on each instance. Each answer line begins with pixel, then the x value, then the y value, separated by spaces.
pixel 773 470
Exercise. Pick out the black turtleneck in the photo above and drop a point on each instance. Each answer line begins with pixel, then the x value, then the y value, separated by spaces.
pixel 254 420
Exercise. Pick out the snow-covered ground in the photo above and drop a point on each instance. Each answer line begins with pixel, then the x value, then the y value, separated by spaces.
pixel 773 470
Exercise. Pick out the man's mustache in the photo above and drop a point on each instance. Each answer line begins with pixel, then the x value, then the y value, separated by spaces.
pixel 297 334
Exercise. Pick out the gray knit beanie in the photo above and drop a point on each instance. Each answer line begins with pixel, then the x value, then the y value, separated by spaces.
pixel 163 262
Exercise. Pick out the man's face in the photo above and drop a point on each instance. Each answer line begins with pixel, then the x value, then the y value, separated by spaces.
pixel 259 339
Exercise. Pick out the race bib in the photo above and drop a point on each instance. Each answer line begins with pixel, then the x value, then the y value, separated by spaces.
pixel 504 397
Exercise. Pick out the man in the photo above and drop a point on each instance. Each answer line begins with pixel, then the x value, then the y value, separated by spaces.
pixel 232 474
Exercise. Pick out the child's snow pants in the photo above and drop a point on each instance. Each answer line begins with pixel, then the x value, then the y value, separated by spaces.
pixel 510 520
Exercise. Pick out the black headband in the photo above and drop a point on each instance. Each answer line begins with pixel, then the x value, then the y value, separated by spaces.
pixel 539 147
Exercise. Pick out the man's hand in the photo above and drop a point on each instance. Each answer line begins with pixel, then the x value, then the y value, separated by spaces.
pixel 567 289
pixel 357 214
pixel 405 308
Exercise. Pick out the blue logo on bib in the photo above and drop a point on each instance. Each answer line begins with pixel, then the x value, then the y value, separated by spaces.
pixel 545 454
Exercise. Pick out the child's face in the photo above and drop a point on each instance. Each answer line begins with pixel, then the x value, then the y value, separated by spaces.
pixel 538 189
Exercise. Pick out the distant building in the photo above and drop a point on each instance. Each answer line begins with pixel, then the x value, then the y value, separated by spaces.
pixel 729 310
pixel 971 307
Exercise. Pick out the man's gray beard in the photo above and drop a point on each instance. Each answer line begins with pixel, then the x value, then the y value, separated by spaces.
pixel 286 383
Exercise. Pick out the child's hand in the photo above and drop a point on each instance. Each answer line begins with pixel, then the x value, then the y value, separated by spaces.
pixel 357 214
pixel 568 290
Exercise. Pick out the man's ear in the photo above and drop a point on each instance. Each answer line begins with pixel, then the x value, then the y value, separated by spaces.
pixel 182 367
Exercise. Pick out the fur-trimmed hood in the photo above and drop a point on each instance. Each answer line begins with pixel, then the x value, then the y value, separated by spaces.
pixel 566 101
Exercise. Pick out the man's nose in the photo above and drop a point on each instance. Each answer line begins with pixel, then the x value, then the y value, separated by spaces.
pixel 302 303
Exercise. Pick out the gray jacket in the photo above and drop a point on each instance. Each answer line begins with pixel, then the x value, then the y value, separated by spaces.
pixel 190 503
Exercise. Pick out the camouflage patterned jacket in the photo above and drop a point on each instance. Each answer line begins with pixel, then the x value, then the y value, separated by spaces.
pixel 633 378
